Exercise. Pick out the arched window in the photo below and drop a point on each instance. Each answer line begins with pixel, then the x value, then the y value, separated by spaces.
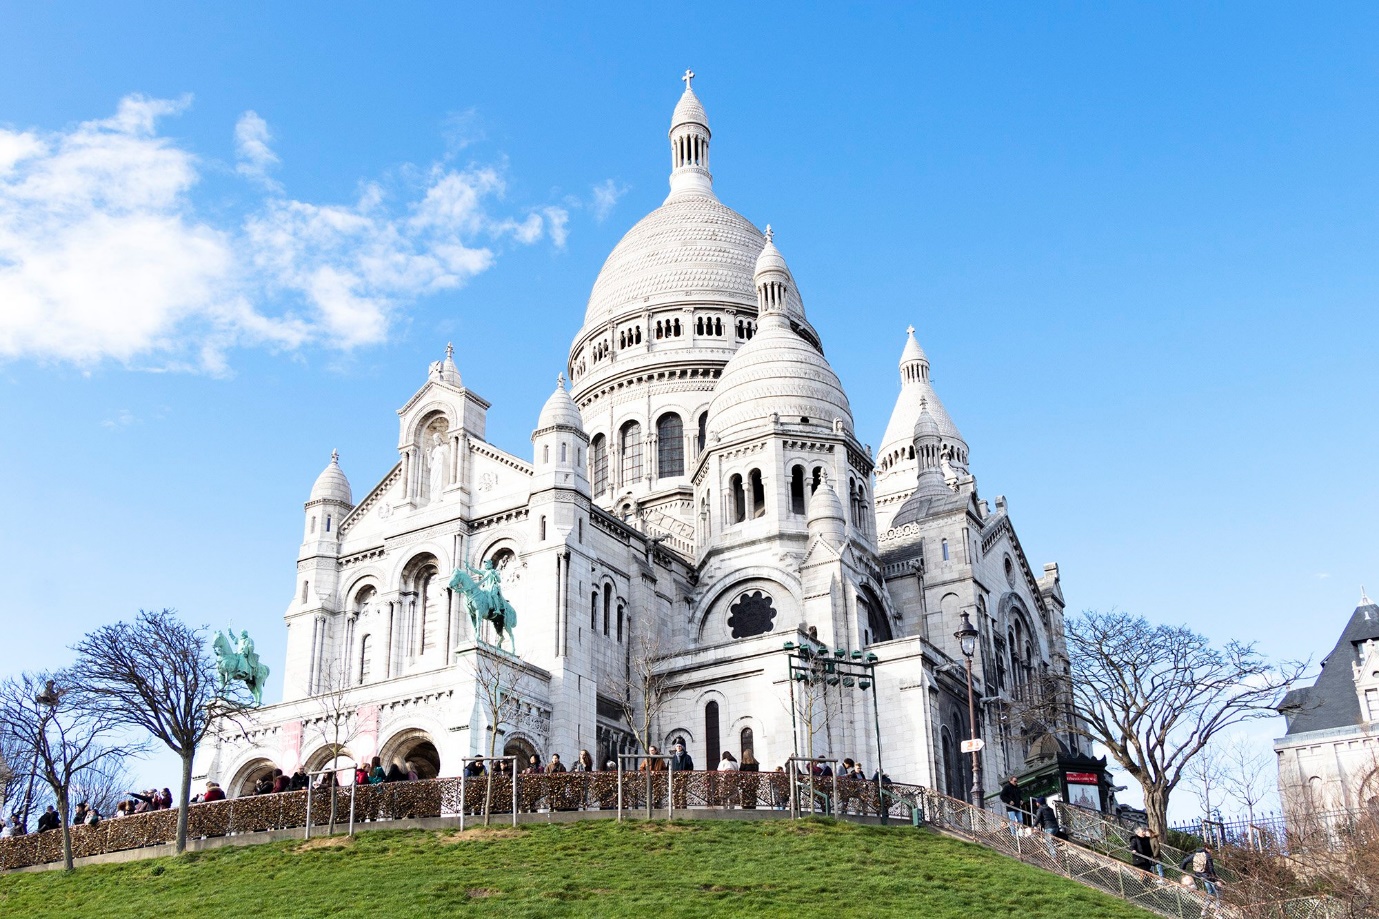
pixel 758 493
pixel 712 749
pixel 306 585
pixel 546 454
pixel 797 490
pixel 365 659
pixel 620 618
pixel 945 550
pixel 748 744
pixel 327 523
pixel 543 528
pixel 564 452
pixel 736 496
pixel 817 477
pixel 312 528
pixel 594 613
pixel 703 432
pixel 599 455
pixel 607 607
pixel 429 604
pixel 630 449
pixel 670 446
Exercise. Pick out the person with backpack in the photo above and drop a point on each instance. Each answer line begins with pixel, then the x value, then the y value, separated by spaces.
pixel 1202 866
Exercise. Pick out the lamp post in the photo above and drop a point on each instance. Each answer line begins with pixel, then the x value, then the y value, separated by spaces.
pixel 967 641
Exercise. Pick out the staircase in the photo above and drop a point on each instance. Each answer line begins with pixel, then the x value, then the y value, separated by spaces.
pixel 1086 866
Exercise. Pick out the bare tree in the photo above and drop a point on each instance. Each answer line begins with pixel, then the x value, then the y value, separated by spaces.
pixel 644 692
pixel 1155 695
pixel 157 674
pixel 337 721
pixel 102 786
pixel 500 679
pixel 1248 776
pixel 1205 774
pixel 62 736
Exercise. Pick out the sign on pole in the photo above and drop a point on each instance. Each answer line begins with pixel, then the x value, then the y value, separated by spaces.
pixel 973 746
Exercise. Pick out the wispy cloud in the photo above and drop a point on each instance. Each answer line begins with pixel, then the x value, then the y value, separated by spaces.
pixel 1322 575
pixel 104 256
pixel 255 156
pixel 121 419
pixel 605 197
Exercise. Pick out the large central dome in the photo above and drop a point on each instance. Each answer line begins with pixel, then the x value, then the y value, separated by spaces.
pixel 693 248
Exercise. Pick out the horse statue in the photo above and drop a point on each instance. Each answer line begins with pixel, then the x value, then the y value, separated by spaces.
pixel 236 659
pixel 483 597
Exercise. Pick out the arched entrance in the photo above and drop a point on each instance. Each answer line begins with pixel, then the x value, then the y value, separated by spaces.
pixel 243 782
pixel 522 749
pixel 416 748
pixel 332 757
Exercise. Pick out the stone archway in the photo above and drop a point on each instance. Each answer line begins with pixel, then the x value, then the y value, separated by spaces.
pixel 522 749
pixel 416 747
pixel 243 782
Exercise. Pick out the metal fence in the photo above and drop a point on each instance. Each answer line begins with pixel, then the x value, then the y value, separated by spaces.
pixel 451 797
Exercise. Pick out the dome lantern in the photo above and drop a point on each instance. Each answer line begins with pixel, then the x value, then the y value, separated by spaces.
pixel 689 145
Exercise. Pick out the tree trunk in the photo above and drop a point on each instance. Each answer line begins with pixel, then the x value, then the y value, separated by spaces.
pixel 1156 809
pixel 184 798
pixel 66 828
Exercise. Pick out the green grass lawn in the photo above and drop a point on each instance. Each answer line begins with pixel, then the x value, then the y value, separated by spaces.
pixel 592 868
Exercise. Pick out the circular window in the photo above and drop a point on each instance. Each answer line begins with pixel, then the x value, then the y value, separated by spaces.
pixel 752 614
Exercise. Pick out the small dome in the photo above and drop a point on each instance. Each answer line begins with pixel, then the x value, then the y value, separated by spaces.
pixel 824 504
pixel 926 425
pixel 560 410
pixel 689 110
pixel 331 484
pixel 770 261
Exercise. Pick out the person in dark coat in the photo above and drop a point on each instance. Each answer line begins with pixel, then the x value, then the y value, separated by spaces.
pixel 1144 854
pixel 395 773
pixel 680 760
pixel 1014 800
pixel 1047 820
pixel 49 820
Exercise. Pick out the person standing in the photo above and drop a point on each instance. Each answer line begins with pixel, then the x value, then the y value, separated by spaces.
pixel 1046 820
pixel 1144 854
pixel 1014 800
pixel 682 762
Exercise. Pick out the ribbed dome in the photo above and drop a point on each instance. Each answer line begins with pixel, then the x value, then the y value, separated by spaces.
pixel 331 484
pixel 692 249
pixel 689 110
pixel 770 260
pixel 777 371
pixel 560 410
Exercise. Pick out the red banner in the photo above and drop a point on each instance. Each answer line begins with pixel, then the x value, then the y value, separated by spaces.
pixel 1083 778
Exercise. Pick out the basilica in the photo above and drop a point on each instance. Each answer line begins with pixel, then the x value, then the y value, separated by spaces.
pixel 695 501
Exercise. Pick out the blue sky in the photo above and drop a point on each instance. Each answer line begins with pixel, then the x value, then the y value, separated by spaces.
pixel 1138 244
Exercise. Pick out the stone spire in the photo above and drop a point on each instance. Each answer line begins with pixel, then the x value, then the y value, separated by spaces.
pixel 774 283
pixel 928 444
pixel 689 145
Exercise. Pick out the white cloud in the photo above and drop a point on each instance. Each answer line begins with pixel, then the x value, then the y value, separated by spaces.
pixel 104 256
pixel 605 198
pixel 251 147
pixel 121 419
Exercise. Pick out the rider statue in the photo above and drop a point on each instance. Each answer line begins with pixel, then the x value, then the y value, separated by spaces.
pixel 236 659
pixel 483 597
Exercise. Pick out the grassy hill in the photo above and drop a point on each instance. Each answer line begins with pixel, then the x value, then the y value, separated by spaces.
pixel 593 868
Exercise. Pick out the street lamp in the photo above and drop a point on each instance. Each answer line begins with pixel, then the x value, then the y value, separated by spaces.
pixel 967 641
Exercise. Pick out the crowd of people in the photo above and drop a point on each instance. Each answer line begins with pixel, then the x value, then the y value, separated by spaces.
pixel 86 814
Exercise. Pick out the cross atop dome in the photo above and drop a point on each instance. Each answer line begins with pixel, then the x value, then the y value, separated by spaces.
pixel 689 75
pixel 335 461
pixel 910 330
pixel 770 234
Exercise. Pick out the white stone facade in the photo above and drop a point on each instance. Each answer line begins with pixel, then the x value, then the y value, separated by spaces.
pixel 1329 758
pixel 700 484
